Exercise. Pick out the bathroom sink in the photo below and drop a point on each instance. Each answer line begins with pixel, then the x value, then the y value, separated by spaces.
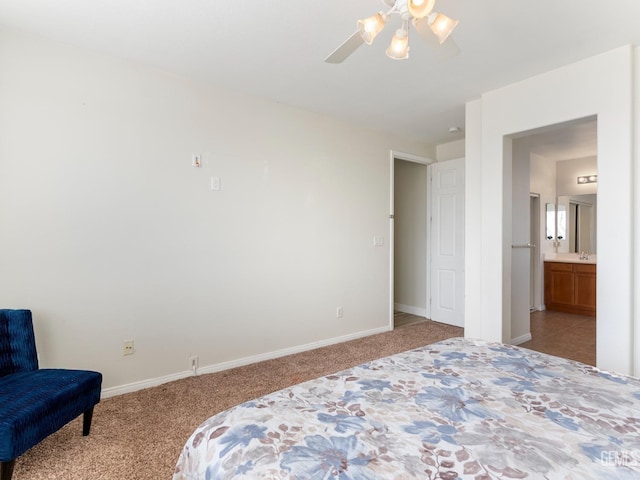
pixel 568 258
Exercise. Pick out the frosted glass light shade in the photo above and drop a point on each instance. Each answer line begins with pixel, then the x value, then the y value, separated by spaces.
pixel 370 27
pixel 420 8
pixel 442 26
pixel 399 46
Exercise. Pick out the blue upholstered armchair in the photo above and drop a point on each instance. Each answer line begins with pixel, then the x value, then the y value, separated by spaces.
pixel 34 403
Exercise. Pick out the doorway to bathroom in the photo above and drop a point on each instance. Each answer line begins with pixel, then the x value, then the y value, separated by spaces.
pixel 561 222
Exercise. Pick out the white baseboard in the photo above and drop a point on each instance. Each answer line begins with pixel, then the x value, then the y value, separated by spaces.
pixel 141 385
pixel 521 339
pixel 154 382
pixel 421 312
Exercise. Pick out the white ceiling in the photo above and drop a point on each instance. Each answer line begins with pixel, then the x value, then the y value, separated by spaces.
pixel 275 49
pixel 572 140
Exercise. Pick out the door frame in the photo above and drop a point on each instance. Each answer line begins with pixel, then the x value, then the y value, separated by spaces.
pixel 409 157
pixel 536 261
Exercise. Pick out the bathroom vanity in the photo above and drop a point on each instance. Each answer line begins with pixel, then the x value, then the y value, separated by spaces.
pixel 570 283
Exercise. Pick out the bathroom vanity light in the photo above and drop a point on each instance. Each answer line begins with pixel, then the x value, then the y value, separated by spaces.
pixel 588 179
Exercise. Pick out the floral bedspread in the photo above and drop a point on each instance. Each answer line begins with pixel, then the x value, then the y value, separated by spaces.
pixel 457 409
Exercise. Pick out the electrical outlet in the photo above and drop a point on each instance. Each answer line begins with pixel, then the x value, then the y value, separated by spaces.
pixel 128 347
pixel 339 312
pixel 193 361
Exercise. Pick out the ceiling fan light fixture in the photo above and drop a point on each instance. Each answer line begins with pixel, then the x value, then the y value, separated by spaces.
pixel 371 26
pixel 432 27
pixel 442 26
pixel 399 46
pixel 420 8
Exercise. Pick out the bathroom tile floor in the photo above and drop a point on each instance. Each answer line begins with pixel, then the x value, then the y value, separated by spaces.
pixel 563 335
pixel 401 319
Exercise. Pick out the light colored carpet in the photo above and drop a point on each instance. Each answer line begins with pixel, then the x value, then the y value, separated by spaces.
pixel 140 435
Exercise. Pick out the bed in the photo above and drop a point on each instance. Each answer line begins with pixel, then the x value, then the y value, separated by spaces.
pixel 456 409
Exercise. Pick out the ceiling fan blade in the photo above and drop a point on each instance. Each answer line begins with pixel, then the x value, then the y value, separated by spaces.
pixel 349 46
pixel 442 51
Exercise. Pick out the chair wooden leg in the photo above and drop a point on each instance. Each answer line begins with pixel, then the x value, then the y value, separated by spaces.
pixel 6 470
pixel 86 422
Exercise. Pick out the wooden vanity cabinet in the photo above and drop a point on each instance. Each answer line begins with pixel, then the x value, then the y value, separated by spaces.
pixel 570 287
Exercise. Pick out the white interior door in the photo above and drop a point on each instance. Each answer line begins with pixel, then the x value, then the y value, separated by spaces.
pixel 446 245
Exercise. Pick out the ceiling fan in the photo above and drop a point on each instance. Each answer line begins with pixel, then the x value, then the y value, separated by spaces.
pixel 433 27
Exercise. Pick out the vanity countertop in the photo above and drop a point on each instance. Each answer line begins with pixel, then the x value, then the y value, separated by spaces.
pixel 569 258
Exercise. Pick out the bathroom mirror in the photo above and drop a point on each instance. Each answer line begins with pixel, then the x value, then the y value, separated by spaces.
pixel 561 220
pixel 551 221
pixel 577 223
pixel 557 220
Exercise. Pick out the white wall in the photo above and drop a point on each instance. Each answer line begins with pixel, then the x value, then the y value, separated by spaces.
pixel 474 300
pixel 602 86
pixel 520 235
pixel 635 177
pixel 109 234
pixel 410 245
pixel 450 150
pixel 568 172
